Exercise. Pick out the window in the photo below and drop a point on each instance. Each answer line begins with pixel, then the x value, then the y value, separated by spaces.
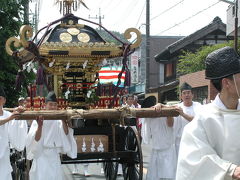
pixel 169 70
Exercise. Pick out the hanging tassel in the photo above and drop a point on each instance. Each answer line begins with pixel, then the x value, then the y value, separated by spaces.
pixel 127 81
pixel 19 79
pixel 40 75
pixel 98 90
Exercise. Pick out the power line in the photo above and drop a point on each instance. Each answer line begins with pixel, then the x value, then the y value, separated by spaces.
pixel 110 9
pixel 140 14
pixel 189 18
pixel 167 10
pixel 127 12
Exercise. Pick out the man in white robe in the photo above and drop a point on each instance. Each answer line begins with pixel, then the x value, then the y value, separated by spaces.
pixel 187 110
pixel 162 164
pixel 45 141
pixel 12 132
pixel 210 147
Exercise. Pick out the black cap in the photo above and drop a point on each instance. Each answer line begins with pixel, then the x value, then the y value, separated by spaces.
pixel 185 86
pixel 51 97
pixel 2 93
pixel 149 102
pixel 222 63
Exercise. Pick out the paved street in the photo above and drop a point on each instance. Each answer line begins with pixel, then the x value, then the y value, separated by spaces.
pixel 95 169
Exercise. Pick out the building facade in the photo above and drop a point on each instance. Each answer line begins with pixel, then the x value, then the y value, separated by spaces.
pixel 213 33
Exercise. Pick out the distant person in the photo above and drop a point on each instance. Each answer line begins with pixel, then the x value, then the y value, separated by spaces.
pixel 135 102
pixel 163 160
pixel 22 102
pixel 130 101
pixel 210 146
pixel 45 141
pixel 124 100
pixel 139 120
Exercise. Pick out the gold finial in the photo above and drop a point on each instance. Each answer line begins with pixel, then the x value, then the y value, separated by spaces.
pixel 127 35
pixel 66 6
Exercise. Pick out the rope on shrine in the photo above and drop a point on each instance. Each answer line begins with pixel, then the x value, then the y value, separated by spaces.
pixel 125 112
pixel 79 113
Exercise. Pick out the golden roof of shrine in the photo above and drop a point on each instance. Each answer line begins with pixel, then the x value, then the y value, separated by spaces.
pixel 69 39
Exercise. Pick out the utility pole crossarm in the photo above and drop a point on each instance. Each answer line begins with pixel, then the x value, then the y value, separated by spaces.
pixel 99 17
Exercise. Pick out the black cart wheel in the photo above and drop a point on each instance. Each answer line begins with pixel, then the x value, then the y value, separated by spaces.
pixel 110 170
pixel 133 167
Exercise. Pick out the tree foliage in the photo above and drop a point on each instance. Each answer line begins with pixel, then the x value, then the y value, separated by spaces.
pixel 107 37
pixel 191 62
pixel 11 18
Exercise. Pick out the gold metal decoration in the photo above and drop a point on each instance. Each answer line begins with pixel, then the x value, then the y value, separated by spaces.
pixel 65 37
pixel 26 32
pixel 83 37
pixel 70 22
pixel 69 45
pixel 73 31
pixel 16 44
pixel 66 6
pixel 127 35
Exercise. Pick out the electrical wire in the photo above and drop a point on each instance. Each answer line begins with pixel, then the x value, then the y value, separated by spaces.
pixel 190 17
pixel 167 10
pixel 127 12
pixel 140 14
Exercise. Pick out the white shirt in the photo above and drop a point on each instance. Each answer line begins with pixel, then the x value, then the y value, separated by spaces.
pixel 163 157
pixel 180 122
pixel 45 152
pixel 13 132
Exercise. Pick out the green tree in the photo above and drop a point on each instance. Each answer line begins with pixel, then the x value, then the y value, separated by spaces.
pixel 191 62
pixel 107 37
pixel 11 18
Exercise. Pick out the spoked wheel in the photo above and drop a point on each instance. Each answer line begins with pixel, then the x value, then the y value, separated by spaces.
pixel 133 168
pixel 110 170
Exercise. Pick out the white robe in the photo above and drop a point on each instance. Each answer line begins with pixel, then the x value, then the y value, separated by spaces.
pixel 15 133
pixel 163 161
pixel 210 148
pixel 180 122
pixel 45 152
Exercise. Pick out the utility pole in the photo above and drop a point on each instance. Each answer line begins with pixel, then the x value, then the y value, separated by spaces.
pixel 147 44
pixel 36 19
pixel 36 14
pixel 99 17
pixel 236 27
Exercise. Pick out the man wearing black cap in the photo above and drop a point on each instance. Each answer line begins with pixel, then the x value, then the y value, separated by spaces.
pixel 163 160
pixel 187 110
pixel 210 148
pixel 45 140
pixel 11 131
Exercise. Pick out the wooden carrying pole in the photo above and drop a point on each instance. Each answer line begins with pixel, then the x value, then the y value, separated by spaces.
pixel 98 113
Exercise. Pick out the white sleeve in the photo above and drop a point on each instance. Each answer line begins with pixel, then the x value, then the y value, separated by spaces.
pixel 34 148
pixel 177 126
pixel 69 143
pixel 17 133
pixel 198 108
pixel 197 159
pixel 146 130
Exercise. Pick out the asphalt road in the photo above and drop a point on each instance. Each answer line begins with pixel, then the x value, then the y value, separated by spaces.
pixel 95 168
